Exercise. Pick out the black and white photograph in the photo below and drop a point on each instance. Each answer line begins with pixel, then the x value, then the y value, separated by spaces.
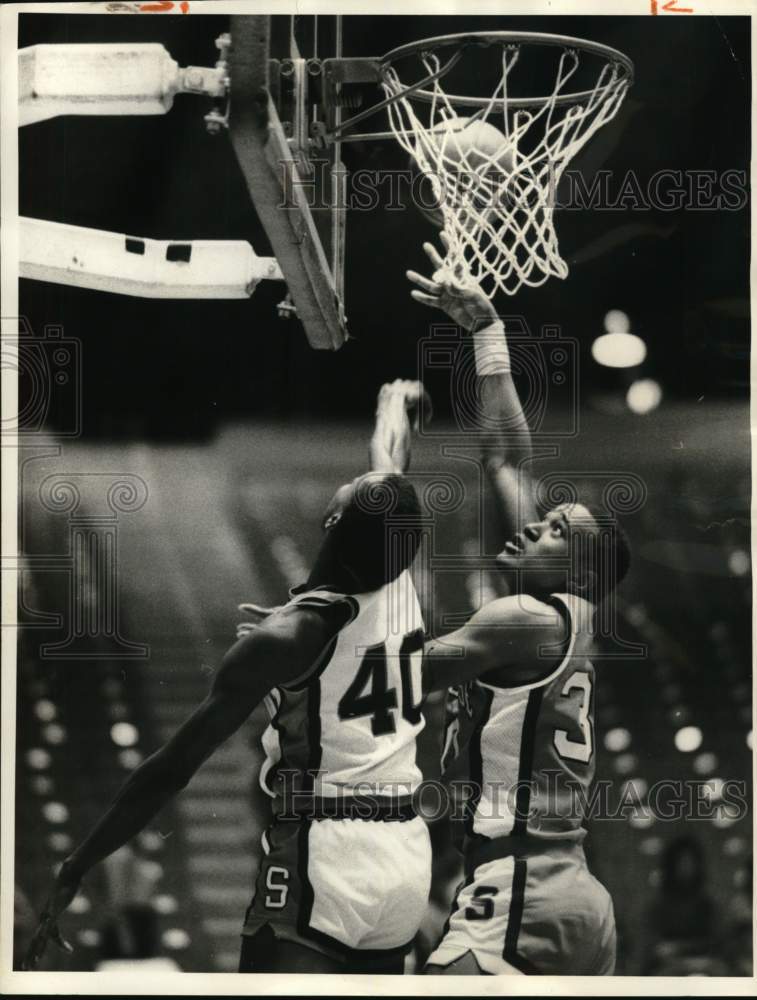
pixel 377 487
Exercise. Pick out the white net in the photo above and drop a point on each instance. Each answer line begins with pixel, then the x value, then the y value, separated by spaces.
pixel 496 201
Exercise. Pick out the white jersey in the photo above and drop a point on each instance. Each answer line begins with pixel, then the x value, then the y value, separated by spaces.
pixel 528 751
pixel 350 725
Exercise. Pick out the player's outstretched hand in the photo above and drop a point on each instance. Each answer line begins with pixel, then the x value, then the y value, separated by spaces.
pixel 463 301
pixel 257 613
pixel 410 394
pixel 64 890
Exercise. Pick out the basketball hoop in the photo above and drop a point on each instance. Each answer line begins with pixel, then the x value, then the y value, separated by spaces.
pixel 495 199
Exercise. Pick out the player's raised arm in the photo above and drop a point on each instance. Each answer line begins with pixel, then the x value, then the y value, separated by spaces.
pixel 398 403
pixel 509 642
pixel 398 413
pixel 504 432
pixel 278 652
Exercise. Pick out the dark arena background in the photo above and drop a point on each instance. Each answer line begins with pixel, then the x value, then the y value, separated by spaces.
pixel 228 434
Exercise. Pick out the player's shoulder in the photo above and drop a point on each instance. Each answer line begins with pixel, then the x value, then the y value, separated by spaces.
pixel 305 596
pixel 288 642
pixel 312 612
pixel 326 603
pixel 521 610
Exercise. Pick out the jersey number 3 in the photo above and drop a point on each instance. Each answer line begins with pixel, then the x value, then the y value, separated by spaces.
pixel 378 701
pixel 571 748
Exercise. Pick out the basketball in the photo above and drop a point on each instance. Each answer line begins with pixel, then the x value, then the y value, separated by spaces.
pixel 474 145
pixel 461 146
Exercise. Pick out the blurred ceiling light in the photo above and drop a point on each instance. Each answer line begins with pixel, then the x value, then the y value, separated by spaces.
pixel 149 840
pixel 644 395
pixel 60 842
pixel 651 846
pixel 38 759
pixel 688 739
pixel 616 321
pixel 705 763
pixel 88 937
pixel 619 350
pixel 642 819
pixel 713 789
pixel 112 687
pixel 55 812
pixel 129 759
pixel 175 938
pixel 54 734
pixel 164 904
pixel 79 904
pixel 636 788
pixel 625 763
pixel 738 562
pixel 637 614
pixel 735 846
pixel 124 734
pixel 723 818
pixel 42 785
pixel 45 710
pixel 617 740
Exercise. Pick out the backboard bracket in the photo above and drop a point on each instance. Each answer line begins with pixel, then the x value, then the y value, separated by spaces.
pixel 275 185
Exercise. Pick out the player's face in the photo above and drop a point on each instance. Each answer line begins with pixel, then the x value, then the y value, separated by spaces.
pixel 544 547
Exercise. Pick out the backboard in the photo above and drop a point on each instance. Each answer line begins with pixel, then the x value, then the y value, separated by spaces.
pixel 296 184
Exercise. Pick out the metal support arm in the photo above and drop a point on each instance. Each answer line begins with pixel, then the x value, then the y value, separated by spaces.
pixel 131 265
pixel 107 79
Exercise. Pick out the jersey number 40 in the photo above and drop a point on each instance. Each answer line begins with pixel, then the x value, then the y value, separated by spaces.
pixel 370 694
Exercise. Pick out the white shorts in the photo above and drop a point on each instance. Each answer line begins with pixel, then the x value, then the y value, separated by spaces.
pixel 338 884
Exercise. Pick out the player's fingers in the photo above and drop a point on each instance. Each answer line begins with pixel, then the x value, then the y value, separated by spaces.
pixel 428 407
pixel 433 255
pixel 427 300
pixel 419 402
pixel 30 959
pixel 425 283
pixel 59 940
pixel 384 396
pixel 411 392
pixel 255 610
pixel 444 239
pixel 36 949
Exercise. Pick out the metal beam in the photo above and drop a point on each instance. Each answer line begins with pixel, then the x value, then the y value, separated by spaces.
pixel 276 188
pixel 132 265
pixel 105 79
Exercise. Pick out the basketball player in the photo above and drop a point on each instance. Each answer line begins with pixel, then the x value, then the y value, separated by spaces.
pixel 520 711
pixel 344 881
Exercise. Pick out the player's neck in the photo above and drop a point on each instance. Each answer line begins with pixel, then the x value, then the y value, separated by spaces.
pixel 328 572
